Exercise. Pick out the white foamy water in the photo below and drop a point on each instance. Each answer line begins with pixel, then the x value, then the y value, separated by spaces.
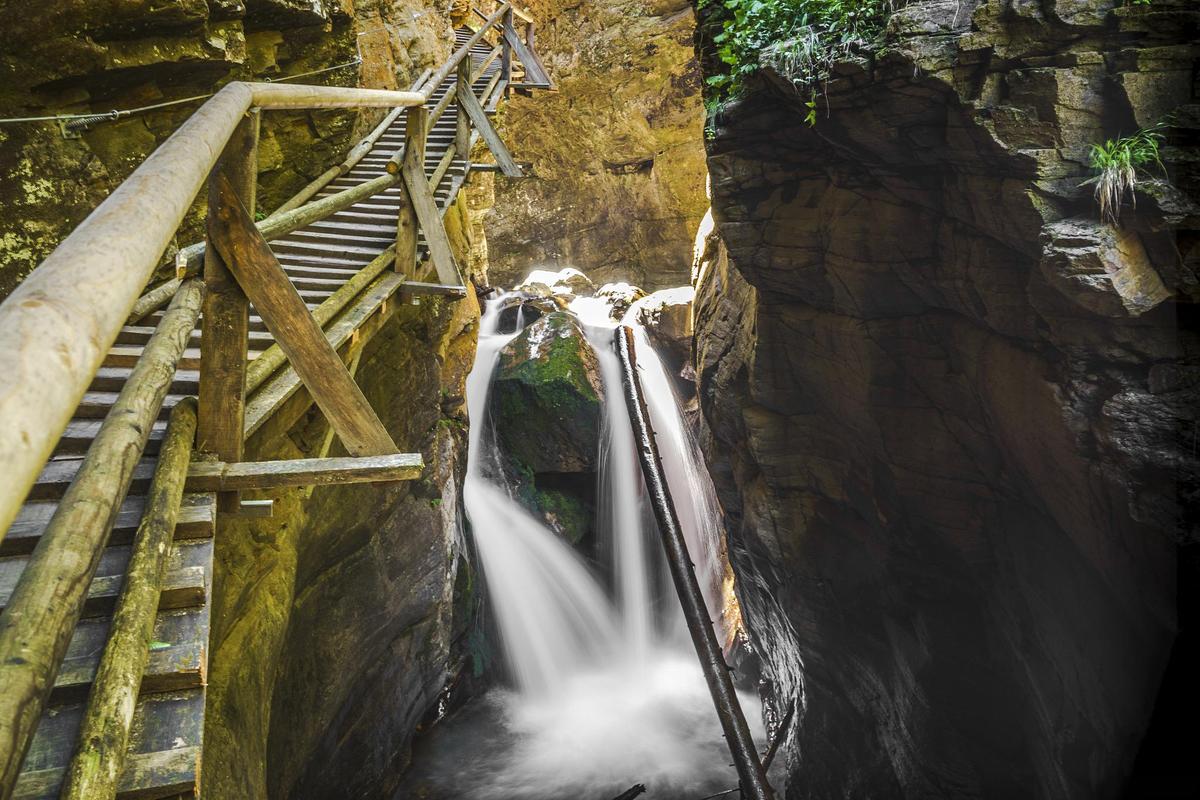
pixel 608 693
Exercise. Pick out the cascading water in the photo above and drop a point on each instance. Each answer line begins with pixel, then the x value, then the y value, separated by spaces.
pixel 608 692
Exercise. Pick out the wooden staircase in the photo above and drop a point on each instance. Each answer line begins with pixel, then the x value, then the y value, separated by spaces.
pixel 165 751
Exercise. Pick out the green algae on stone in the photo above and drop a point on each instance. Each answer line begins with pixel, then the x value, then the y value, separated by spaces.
pixel 546 397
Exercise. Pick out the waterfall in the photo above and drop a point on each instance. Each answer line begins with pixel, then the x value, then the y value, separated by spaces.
pixel 552 614
pixel 608 692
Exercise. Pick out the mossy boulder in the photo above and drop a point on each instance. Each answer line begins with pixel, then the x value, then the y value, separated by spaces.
pixel 546 398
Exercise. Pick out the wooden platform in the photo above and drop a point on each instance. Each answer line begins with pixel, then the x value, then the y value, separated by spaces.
pixel 166 748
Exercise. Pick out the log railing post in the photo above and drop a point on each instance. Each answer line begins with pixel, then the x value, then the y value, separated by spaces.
pixel 416 130
pixel 104 732
pixel 462 133
pixel 506 58
pixel 226 330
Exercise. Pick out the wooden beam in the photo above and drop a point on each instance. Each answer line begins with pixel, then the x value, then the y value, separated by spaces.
pixel 49 597
pixel 153 300
pixel 273 358
pixel 298 334
pixel 506 56
pixel 104 733
pixel 416 129
pixel 429 216
pixel 533 67
pixel 462 131
pixel 470 103
pixel 417 288
pixel 215 476
pixel 226 331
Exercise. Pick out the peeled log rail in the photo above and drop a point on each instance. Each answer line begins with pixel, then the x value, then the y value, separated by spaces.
pixel 104 732
pixel 46 604
pixel 751 776
pixel 153 300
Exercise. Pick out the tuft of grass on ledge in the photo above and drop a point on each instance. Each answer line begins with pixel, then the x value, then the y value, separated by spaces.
pixel 1117 163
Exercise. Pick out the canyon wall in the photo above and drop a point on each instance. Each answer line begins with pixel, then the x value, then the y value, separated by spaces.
pixel 85 57
pixel 617 184
pixel 949 411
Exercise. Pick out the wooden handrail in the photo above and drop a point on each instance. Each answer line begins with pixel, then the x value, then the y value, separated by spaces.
pixel 58 324
pixel 49 596
pixel 104 732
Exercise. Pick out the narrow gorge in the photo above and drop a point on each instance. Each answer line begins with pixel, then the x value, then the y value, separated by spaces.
pixel 627 398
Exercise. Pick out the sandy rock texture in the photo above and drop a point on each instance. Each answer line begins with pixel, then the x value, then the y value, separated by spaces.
pixel 618 156
pixel 949 411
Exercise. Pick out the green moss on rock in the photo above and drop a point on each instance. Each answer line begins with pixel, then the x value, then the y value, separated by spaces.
pixel 546 397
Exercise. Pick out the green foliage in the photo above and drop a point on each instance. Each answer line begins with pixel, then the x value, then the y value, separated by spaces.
pixel 802 37
pixel 1117 162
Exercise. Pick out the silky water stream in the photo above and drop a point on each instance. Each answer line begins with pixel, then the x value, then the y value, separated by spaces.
pixel 606 690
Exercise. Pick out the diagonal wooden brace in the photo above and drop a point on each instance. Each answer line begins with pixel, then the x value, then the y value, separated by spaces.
pixel 420 195
pixel 261 276
pixel 470 103
pixel 534 71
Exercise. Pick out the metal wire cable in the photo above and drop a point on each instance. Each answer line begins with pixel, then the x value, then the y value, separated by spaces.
pixel 74 121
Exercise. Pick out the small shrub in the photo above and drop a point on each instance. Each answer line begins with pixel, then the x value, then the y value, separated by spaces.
pixel 1117 163
pixel 799 37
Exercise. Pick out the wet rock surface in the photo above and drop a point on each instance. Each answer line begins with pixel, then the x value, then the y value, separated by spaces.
pixel 948 411
pixel 545 404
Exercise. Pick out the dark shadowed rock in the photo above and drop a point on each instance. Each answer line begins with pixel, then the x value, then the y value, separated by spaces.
pixel 950 414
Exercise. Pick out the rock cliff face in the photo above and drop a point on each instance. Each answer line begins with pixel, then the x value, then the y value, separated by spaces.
pixel 949 411
pixel 618 157
pixel 84 57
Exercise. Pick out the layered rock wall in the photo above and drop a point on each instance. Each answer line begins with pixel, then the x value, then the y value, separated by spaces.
pixel 617 185
pixel 948 409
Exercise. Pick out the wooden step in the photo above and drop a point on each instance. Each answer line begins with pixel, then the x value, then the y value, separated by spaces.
pixel 80 433
pixel 165 749
pixel 111 379
pixel 96 405
pixel 181 588
pixel 197 520
pixel 128 356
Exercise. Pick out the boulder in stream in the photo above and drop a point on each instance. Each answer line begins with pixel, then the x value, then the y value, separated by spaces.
pixel 546 397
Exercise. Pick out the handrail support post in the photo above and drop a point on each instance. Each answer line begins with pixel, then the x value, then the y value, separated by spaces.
pixel 416 131
pixel 226 331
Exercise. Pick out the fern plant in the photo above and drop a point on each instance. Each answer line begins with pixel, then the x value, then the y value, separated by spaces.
pixel 1117 163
